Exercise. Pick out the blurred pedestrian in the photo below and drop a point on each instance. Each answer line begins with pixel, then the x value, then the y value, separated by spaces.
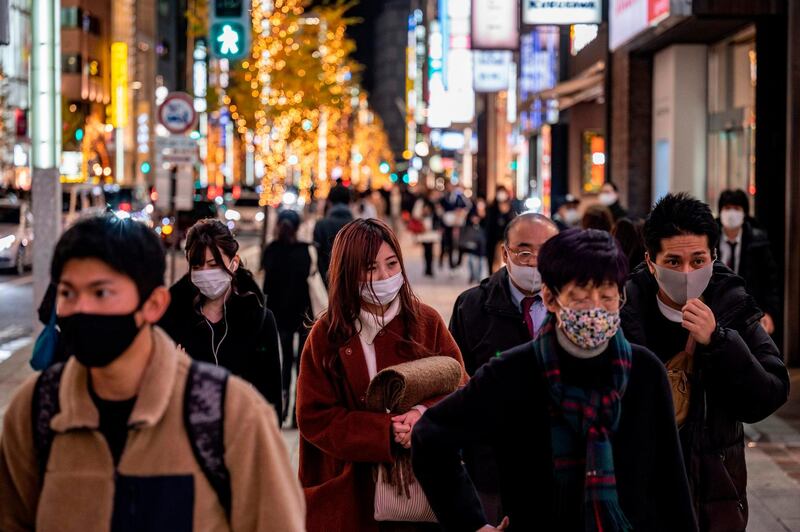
pixel 498 216
pixel 472 242
pixel 374 321
pixel 130 433
pixel 580 420
pixel 597 217
pixel 696 316
pixel 746 250
pixel 395 206
pixel 504 311
pixel 630 235
pixel 609 197
pixel 217 313
pixel 325 230
pixel 424 225
pixel 287 263
pixel 454 207
pixel 567 212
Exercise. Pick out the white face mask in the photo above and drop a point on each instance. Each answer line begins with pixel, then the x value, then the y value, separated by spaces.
pixel 607 198
pixel 213 284
pixel 502 196
pixel 731 218
pixel 681 286
pixel 527 278
pixel 572 217
pixel 385 290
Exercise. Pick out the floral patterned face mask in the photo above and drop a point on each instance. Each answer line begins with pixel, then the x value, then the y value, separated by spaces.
pixel 590 328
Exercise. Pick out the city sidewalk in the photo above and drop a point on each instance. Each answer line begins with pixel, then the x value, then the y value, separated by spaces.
pixel 773 452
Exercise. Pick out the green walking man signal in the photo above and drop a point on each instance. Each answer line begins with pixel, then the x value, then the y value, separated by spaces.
pixel 230 28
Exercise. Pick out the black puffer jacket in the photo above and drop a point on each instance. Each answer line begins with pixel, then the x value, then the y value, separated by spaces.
pixel 486 322
pixel 250 349
pixel 740 377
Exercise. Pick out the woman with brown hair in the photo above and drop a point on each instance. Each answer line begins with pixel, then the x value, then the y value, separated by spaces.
pixel 217 313
pixel 373 321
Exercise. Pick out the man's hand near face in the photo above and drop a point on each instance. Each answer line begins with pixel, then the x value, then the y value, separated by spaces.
pixel 699 321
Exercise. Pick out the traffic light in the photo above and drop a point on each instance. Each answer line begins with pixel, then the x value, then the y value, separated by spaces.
pixel 230 28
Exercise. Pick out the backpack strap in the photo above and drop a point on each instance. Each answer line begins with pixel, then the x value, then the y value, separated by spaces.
pixel 204 418
pixel 44 407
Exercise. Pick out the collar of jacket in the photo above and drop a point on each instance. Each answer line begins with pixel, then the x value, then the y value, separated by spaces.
pixel 498 295
pixel 726 296
pixel 78 409
pixel 352 356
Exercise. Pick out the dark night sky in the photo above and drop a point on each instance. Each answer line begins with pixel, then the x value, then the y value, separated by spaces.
pixel 363 33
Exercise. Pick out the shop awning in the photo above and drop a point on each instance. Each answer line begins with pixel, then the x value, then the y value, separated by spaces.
pixel 586 86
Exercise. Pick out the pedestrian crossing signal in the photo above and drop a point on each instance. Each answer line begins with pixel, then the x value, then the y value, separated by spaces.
pixel 229 29
pixel 227 40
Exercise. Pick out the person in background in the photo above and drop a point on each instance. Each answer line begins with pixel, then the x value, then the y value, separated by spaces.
pixel 454 207
pixel 567 212
pixel 395 202
pixel 498 216
pixel 286 263
pixel 425 224
pixel 366 208
pixel 630 235
pixel 325 230
pixel 381 205
pixel 683 301
pixel 472 242
pixel 597 217
pixel 504 311
pixel 105 441
pixel 218 315
pixel 374 321
pixel 609 196
pixel 580 420
pixel 746 250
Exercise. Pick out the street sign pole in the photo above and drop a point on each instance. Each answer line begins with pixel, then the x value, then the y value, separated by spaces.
pixel 45 139
pixel 173 249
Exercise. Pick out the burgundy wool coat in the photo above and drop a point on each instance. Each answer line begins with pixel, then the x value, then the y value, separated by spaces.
pixel 340 441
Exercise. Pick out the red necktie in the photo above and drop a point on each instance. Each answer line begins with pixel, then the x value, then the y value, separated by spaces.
pixel 527 303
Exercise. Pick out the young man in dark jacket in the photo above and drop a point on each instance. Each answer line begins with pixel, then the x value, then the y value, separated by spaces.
pixel 326 229
pixel 580 420
pixel 504 311
pixel 682 297
pixel 745 249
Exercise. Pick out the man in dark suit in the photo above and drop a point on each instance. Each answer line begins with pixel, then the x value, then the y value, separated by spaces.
pixel 745 249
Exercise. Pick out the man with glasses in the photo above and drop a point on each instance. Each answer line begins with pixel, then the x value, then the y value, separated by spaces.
pixel 696 316
pixel 504 311
pixel 580 420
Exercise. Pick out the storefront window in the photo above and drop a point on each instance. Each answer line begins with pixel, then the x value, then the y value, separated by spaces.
pixel 593 173
pixel 732 76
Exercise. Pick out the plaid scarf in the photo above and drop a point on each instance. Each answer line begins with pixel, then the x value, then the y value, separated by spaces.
pixel 591 416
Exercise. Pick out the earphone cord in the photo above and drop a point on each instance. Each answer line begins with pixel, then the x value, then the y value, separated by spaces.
pixel 215 350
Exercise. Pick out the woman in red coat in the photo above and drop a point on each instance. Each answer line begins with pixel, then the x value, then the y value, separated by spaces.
pixel 374 321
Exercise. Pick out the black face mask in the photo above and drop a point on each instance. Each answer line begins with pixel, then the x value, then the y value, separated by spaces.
pixel 97 340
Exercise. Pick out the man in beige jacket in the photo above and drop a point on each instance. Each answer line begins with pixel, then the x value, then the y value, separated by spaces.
pixel 136 436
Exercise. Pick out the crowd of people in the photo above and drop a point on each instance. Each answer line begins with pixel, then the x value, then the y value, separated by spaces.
pixel 597 379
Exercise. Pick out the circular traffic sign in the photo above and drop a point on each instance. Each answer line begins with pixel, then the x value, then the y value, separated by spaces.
pixel 177 113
